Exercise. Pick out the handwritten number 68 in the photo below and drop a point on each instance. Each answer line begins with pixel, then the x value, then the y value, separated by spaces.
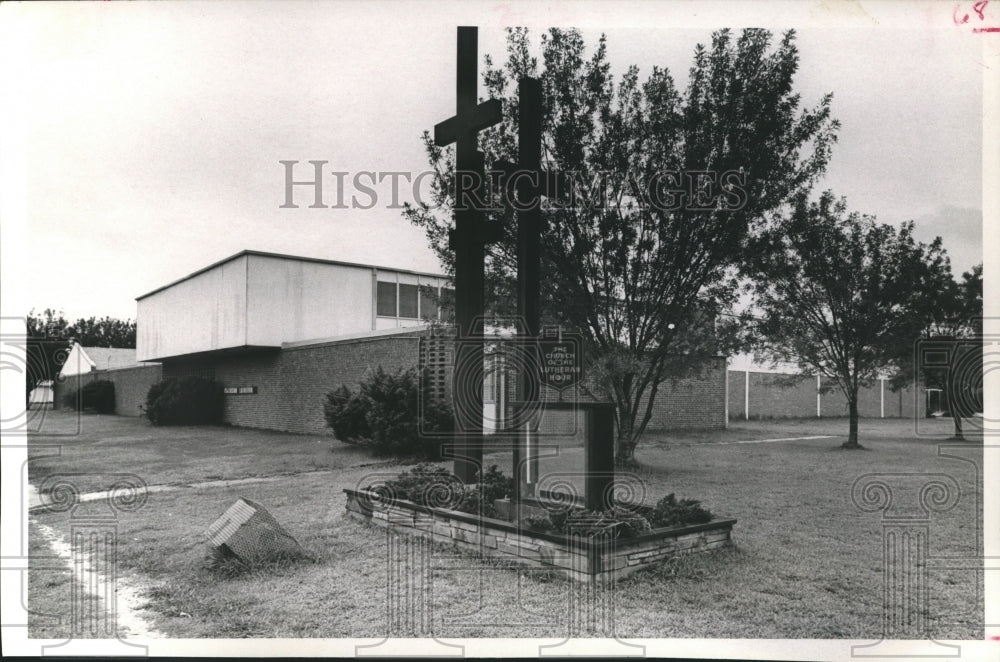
pixel 978 7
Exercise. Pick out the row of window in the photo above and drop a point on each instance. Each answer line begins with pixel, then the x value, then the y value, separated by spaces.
pixel 409 301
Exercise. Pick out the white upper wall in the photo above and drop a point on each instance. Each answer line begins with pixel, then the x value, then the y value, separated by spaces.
pixel 204 311
pixel 262 299
pixel 294 300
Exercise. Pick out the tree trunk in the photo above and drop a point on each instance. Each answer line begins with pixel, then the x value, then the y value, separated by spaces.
pixel 625 448
pixel 852 430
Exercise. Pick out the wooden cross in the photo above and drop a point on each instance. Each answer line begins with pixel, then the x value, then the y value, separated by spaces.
pixel 462 129
pixel 530 185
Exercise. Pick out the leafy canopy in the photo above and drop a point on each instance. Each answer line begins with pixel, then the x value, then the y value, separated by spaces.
pixel 642 259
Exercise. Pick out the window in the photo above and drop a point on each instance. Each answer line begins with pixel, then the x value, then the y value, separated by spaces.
pixel 408 301
pixel 448 304
pixel 386 297
pixel 428 302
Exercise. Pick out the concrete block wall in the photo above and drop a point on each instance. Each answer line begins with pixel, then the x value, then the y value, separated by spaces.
pixel 292 383
pixel 697 401
pixel 776 395
pixel 131 386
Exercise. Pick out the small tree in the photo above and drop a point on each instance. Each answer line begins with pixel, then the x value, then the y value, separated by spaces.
pixel 640 261
pixel 844 295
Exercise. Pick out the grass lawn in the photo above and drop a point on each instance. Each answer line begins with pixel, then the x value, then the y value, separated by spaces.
pixel 807 563
pixel 176 455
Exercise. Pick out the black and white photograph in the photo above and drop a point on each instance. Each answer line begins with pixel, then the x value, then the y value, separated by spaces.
pixel 599 329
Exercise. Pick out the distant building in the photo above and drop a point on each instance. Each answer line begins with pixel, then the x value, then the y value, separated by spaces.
pixel 41 396
pixel 83 360
pixel 132 378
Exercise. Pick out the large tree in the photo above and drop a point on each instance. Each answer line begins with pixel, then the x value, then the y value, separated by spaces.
pixel 640 258
pixel 843 295
pixel 89 332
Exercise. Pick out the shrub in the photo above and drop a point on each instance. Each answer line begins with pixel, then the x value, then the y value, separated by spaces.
pixel 70 399
pixel 432 485
pixel 425 485
pixel 99 395
pixel 671 512
pixel 472 503
pixel 618 522
pixel 185 401
pixel 542 523
pixel 495 484
pixel 435 486
pixel 624 521
pixel 385 416
pixel 347 415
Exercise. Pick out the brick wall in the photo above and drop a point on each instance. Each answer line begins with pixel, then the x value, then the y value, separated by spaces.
pixel 131 386
pixel 774 395
pixel 697 401
pixel 292 383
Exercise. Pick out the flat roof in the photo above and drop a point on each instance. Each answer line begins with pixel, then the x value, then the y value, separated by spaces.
pixel 283 256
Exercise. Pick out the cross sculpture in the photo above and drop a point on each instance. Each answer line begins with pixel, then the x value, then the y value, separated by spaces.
pixel 469 242
pixel 523 177
pixel 529 183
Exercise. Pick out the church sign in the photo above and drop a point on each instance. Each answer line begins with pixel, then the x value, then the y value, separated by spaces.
pixel 560 359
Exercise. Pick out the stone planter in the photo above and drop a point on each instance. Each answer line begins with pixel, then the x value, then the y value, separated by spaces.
pixel 578 557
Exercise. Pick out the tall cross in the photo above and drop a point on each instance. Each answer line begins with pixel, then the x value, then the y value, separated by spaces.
pixel 528 182
pixel 462 129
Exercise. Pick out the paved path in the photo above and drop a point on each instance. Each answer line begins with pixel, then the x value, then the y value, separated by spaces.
pixel 35 501
pixel 770 441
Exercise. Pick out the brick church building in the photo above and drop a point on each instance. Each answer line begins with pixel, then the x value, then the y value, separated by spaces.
pixel 280 332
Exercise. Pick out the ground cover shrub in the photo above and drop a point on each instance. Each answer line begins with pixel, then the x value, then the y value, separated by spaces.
pixel 616 522
pixel 435 486
pixel 385 414
pixel 622 521
pixel 495 485
pixel 671 512
pixel 187 400
pixel 98 395
pixel 425 485
pixel 490 486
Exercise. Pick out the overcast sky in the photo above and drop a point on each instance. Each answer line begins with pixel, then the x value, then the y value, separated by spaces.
pixel 142 141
